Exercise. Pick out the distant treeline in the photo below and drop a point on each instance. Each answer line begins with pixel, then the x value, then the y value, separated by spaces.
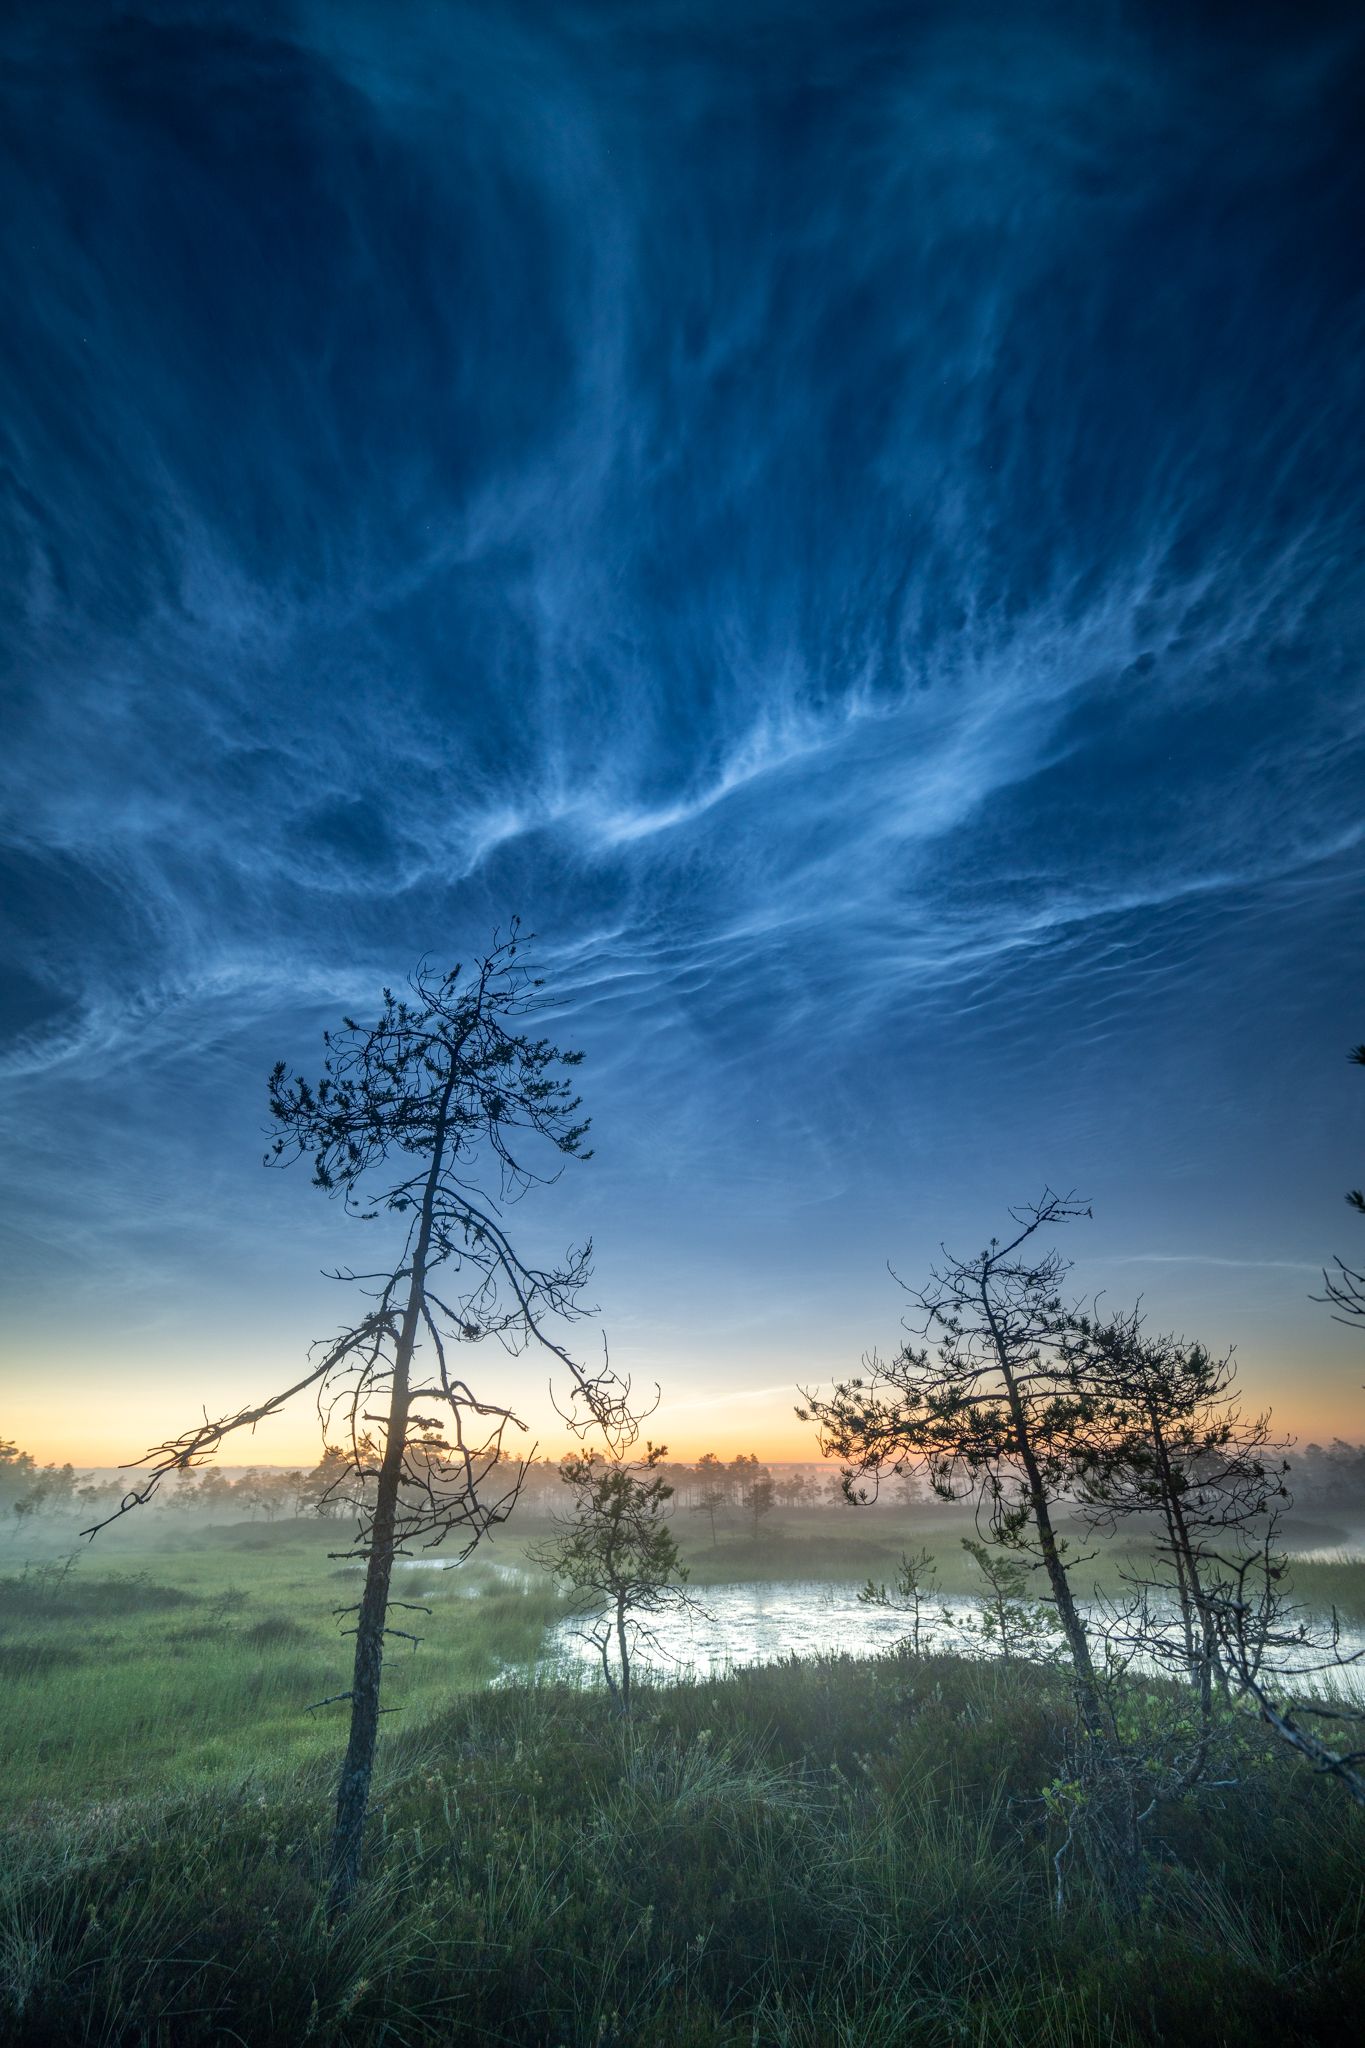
pixel 741 1491
pixel 1329 1476
pixel 742 1488
pixel 28 1490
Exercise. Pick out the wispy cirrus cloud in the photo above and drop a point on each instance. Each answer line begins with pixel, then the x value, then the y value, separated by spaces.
pixel 847 526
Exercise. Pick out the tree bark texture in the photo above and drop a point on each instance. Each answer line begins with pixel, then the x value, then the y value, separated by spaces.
pixel 353 1789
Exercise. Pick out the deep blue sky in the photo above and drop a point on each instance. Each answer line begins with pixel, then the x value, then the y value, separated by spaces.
pixel 848 518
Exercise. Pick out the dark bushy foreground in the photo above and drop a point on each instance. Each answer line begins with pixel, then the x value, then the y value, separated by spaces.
pixel 829 1853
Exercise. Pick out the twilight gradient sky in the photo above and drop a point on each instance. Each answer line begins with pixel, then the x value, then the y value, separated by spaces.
pixel 848 518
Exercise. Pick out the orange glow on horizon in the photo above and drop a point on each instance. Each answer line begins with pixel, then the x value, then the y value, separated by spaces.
pixel 295 1440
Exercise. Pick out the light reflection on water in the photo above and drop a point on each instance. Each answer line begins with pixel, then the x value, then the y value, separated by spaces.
pixel 761 1623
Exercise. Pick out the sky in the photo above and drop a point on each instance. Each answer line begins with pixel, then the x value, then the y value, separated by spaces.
pixel 847 520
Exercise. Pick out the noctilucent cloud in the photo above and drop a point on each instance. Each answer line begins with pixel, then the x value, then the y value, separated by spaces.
pixel 848 519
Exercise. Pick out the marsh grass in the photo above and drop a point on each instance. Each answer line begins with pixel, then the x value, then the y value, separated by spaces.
pixel 829 1853
pixel 1324 1583
pixel 835 1851
pixel 58 1593
pixel 180 1670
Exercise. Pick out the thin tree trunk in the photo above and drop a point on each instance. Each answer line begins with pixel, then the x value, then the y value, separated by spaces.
pixel 1210 1663
pixel 1115 1814
pixel 353 1789
pixel 1175 1535
pixel 1073 1628
pixel 623 1652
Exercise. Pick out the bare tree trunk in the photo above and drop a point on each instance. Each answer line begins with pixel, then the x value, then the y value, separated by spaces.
pixel 623 1652
pixel 1073 1628
pixel 1187 1564
pixel 1175 1535
pixel 353 1789
pixel 1112 1828
pixel 1182 1587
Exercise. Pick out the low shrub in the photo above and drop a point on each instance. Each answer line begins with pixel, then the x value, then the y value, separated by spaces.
pixel 274 1632
pixel 55 1592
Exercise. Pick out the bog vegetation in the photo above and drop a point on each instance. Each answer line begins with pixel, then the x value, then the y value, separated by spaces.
pixel 1122 1801
pixel 841 1848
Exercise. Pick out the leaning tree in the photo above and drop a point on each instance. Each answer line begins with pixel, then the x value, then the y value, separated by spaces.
pixel 1177 1452
pixel 434 1118
pixel 992 1413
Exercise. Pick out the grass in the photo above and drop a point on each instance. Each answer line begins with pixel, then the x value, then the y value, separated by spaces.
pixel 172 1669
pixel 826 1854
pixel 1323 1585
pixel 151 1663
pixel 832 1852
